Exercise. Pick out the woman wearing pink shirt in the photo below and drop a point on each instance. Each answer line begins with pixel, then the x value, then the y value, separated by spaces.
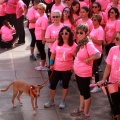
pixel 96 9
pixel 20 11
pixel 97 36
pixel 67 18
pixel 114 3
pixel 6 34
pixel 111 28
pixel 85 18
pixel 112 71
pixel 40 29
pixel 68 3
pixel 2 12
pixel 86 53
pixel 75 9
pixel 53 30
pixel 61 62
pixel 33 15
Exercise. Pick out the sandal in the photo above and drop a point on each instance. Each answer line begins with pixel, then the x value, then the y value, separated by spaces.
pixel 76 112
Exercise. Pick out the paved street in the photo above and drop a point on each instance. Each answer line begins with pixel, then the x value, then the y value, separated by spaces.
pixel 16 65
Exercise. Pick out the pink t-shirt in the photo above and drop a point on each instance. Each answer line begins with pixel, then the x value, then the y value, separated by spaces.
pixel 80 67
pixel 41 24
pixel 109 6
pixel 48 1
pixel 113 59
pixel 10 9
pixel 75 16
pixel 20 9
pixel 52 32
pixel 2 9
pixel 89 23
pixel 82 4
pixel 32 14
pixel 110 29
pixel 7 33
pixel 67 23
pixel 103 3
pixel 60 7
pixel 104 17
pixel 97 34
pixel 63 56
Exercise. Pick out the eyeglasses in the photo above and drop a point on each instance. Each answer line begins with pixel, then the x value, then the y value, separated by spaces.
pixel 64 33
pixel 55 16
pixel 66 11
pixel 112 12
pixel 81 33
pixel 94 6
pixel 117 38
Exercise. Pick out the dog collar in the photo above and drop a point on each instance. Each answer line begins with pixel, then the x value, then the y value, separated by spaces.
pixel 31 89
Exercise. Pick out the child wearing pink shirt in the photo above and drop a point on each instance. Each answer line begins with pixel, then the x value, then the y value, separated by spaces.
pixel 61 63
pixel 6 35
pixel 86 53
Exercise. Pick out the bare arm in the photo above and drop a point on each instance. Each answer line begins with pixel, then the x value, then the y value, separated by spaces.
pixel 99 42
pixel 43 36
pixel 48 40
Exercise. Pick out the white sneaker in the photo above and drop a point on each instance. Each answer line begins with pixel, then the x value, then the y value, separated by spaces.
pixel 40 68
pixel 96 89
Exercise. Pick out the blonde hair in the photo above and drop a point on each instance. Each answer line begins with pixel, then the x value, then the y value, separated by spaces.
pixel 42 5
pixel 57 11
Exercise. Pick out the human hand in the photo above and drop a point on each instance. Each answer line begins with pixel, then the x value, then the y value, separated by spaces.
pixel 51 68
pixel 88 62
pixel 100 83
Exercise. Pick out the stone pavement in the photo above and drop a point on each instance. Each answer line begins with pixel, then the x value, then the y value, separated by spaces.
pixel 16 65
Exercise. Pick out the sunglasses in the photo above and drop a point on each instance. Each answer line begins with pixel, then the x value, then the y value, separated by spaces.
pixel 94 6
pixel 112 12
pixel 117 38
pixel 64 33
pixel 81 33
pixel 55 16
pixel 66 11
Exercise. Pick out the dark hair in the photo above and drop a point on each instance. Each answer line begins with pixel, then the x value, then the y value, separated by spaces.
pixel 82 27
pixel 36 1
pixel 7 24
pixel 70 17
pixel 115 10
pixel 98 4
pixel 70 39
pixel 87 10
pixel 73 4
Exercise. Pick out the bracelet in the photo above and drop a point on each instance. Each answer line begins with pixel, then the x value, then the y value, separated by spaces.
pixel 51 61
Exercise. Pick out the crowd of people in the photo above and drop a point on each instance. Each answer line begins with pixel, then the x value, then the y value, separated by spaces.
pixel 77 32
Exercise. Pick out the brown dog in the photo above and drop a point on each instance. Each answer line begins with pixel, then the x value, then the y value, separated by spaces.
pixel 19 87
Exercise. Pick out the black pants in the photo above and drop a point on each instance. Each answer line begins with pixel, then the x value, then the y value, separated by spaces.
pixel 27 2
pixel 65 75
pixel 33 41
pixel 20 29
pixel 108 47
pixel 6 44
pixel 83 86
pixel 13 21
pixel 41 48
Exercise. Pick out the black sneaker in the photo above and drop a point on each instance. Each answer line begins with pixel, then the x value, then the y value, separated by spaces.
pixel 33 58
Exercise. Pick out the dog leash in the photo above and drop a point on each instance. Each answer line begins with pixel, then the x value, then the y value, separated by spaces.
pixel 47 79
